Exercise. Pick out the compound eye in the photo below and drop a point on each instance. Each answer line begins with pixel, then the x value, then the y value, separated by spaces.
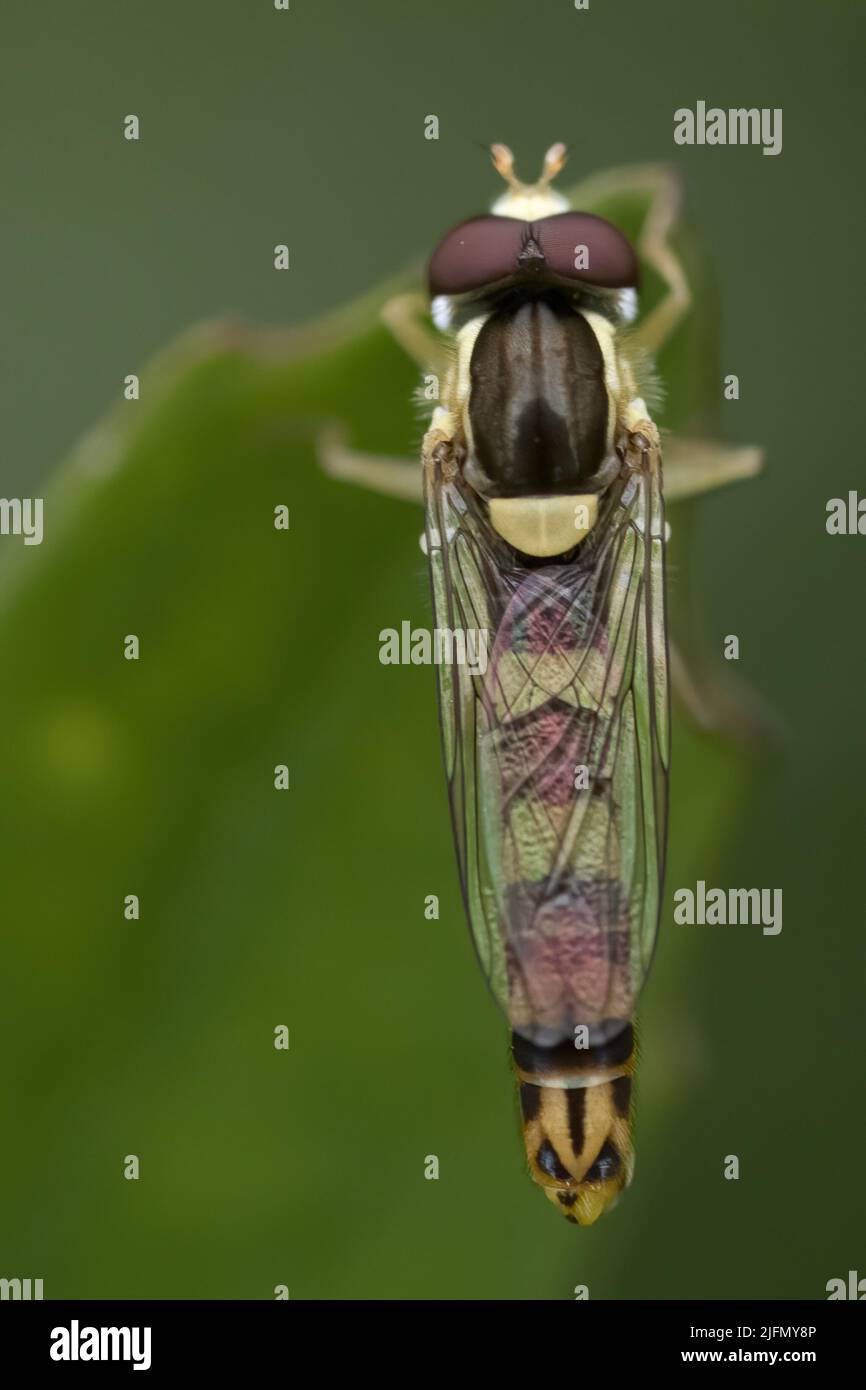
pixel 581 246
pixel 476 253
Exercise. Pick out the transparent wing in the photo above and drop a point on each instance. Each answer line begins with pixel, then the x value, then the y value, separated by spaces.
pixel 556 745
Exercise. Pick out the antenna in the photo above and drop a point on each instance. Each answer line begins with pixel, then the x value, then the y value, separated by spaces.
pixel 553 162
pixel 503 162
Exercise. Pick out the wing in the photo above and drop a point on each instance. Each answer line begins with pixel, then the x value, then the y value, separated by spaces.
pixel 556 746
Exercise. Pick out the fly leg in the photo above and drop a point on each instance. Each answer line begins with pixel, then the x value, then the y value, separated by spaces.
pixel 408 318
pixel 654 247
pixel 726 707
pixel 712 704
pixel 404 315
pixel 394 477
pixel 693 466
pixel 662 184
pixel 702 707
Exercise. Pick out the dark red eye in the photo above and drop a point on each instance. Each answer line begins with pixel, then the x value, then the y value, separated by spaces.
pixel 581 246
pixel 476 253
pixel 569 245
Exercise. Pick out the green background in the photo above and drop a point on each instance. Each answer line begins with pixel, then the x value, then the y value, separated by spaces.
pixel 306 908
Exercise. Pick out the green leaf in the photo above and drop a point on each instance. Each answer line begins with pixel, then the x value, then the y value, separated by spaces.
pixel 261 907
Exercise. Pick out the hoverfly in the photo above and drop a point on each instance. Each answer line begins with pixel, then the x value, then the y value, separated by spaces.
pixel 545 531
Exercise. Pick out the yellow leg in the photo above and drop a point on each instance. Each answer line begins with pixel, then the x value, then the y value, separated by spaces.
pixel 715 704
pixel 408 318
pixel 693 466
pixel 662 184
pixel 394 477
